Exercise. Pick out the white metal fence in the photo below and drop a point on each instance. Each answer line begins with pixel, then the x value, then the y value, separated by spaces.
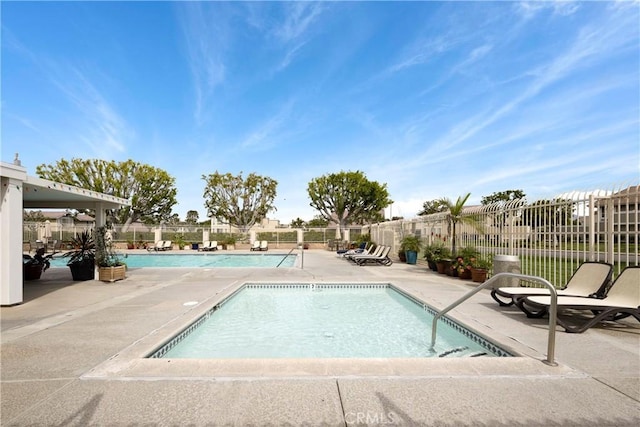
pixel 551 237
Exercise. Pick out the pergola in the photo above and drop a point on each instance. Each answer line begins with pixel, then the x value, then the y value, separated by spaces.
pixel 20 191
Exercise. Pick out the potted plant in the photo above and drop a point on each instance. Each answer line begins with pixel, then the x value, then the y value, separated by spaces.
pixel 411 245
pixel 82 256
pixel 432 253
pixel 464 261
pixel 130 244
pixel 442 258
pixel 229 243
pixel 33 266
pixel 110 267
pixel 480 267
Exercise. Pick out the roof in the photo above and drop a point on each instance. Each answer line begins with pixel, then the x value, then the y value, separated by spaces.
pixel 42 193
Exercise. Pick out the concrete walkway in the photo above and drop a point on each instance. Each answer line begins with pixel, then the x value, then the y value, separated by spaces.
pixel 72 355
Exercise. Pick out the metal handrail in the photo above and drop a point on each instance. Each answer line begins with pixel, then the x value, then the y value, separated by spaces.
pixel 553 310
pixel 285 257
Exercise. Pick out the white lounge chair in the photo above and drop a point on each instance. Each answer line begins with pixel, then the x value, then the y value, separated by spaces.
pixel 376 252
pixel 622 300
pixel 157 247
pixel 167 245
pixel 264 245
pixel 256 245
pixel 382 259
pixel 589 279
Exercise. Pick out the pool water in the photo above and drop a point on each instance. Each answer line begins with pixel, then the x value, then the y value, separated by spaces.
pixel 200 260
pixel 322 321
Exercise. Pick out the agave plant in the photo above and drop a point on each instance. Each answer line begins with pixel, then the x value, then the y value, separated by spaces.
pixel 84 249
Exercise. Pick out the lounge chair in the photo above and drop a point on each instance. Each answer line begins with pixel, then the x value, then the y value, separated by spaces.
pixel 209 246
pixel 362 249
pixel 157 247
pixel 167 245
pixel 264 245
pixel 382 259
pixel 376 252
pixel 256 245
pixel 589 279
pixel 622 300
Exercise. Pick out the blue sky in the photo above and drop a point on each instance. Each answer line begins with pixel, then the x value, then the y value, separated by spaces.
pixel 435 99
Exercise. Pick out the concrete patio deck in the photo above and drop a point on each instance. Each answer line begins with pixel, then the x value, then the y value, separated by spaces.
pixel 72 354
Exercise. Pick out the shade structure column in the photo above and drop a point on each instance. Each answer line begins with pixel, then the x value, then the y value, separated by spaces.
pixel 11 208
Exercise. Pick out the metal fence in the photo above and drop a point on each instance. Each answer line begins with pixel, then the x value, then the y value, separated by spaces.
pixel 550 236
pixel 56 235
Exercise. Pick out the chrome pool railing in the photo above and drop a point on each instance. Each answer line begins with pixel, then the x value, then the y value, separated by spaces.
pixel 553 310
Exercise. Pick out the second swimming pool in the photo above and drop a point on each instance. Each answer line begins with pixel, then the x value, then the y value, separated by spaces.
pixel 201 260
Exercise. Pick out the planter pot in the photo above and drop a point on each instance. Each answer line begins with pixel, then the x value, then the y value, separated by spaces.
pixel 443 266
pixel 478 275
pixel 83 270
pixel 402 256
pixel 432 265
pixel 412 257
pixel 465 274
pixel 111 274
pixel 32 271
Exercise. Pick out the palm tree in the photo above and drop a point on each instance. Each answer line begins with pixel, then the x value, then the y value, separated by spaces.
pixel 454 216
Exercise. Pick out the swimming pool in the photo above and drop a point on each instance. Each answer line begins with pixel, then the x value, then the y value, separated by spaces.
pixel 322 321
pixel 200 260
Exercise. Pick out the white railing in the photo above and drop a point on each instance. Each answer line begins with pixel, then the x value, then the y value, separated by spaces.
pixel 551 236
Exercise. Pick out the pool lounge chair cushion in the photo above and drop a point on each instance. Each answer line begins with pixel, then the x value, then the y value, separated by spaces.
pixel 264 245
pixel 622 300
pixel 589 279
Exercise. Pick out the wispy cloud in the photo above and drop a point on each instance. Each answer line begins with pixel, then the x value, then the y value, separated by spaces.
pixel 206 40
pixel 298 18
pixel 529 9
pixel 103 129
pixel 272 131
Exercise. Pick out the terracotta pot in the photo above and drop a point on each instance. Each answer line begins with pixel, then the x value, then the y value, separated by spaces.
pixel 464 274
pixel 478 275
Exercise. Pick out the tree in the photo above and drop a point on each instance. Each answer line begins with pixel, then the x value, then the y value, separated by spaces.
pixel 455 216
pixel 431 207
pixel 503 196
pixel 33 216
pixel 192 217
pixel 548 213
pixel 317 222
pixel 150 190
pixel 348 197
pixel 241 202
pixel 297 223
